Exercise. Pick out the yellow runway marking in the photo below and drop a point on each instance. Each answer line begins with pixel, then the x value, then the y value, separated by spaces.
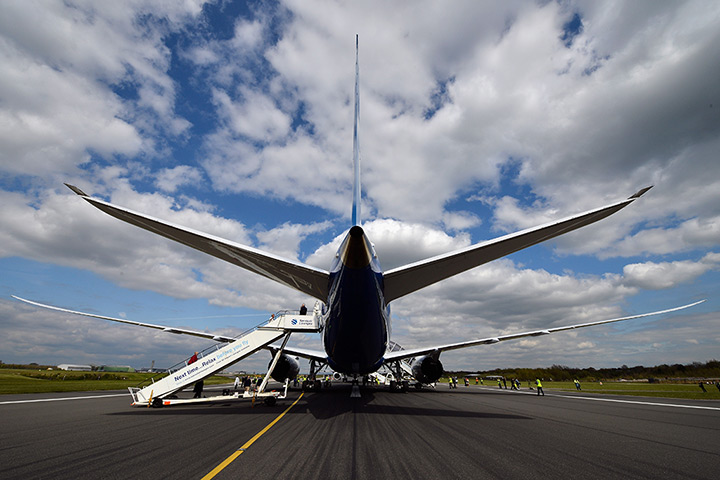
pixel 247 444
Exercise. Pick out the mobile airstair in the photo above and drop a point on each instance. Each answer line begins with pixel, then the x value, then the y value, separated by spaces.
pixel 216 358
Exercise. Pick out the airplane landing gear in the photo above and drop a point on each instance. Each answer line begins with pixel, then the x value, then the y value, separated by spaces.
pixel 399 386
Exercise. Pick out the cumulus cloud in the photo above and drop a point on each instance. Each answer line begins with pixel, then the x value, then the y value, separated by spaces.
pixel 170 179
pixel 657 276
pixel 285 239
pixel 690 234
pixel 58 65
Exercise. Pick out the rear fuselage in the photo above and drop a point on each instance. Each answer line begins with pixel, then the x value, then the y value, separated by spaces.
pixel 357 321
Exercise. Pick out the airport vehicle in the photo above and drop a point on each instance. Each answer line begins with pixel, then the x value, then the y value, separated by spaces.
pixel 354 293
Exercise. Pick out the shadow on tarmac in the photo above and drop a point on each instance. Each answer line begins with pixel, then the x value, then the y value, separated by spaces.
pixel 329 403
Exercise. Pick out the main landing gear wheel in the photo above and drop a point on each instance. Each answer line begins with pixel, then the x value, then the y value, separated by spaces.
pixel 399 387
pixel 312 386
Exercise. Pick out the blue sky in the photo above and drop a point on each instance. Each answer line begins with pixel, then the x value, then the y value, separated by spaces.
pixel 235 118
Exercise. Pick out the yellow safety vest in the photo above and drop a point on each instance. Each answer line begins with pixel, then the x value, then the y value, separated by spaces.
pixel 538 383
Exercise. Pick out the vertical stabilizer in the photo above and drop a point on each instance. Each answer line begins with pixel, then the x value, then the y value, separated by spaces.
pixel 356 145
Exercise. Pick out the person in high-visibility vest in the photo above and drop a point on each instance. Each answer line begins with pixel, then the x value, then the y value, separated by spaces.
pixel 538 383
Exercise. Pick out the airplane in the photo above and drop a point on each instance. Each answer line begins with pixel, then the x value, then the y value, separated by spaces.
pixel 354 291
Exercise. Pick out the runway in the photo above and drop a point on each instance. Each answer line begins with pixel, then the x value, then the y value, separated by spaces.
pixel 468 432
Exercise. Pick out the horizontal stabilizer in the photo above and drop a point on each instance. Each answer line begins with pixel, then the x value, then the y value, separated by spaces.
pixel 309 280
pixel 410 278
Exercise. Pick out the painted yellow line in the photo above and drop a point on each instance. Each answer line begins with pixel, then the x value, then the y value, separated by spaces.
pixel 247 444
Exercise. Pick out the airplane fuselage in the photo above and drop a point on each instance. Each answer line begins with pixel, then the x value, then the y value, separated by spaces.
pixel 357 320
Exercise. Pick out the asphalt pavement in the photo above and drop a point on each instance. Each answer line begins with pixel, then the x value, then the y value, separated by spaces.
pixel 468 432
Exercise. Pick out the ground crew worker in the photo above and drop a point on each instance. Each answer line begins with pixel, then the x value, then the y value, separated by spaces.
pixel 538 383
pixel 577 384
pixel 499 383
pixel 476 380
pixel 198 389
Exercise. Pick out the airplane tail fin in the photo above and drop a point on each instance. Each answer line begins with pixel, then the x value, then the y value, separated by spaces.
pixel 356 146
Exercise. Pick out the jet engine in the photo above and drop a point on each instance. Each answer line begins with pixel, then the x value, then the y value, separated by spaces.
pixel 427 369
pixel 287 367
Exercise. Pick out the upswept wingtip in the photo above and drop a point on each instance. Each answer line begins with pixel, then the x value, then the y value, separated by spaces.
pixel 640 193
pixel 76 190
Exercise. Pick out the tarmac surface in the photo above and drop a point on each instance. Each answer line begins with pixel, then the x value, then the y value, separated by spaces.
pixel 468 432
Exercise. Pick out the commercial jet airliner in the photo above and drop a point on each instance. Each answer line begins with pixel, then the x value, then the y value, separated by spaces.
pixel 355 292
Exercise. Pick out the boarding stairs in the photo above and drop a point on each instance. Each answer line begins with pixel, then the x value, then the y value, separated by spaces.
pixel 222 355
pixel 405 365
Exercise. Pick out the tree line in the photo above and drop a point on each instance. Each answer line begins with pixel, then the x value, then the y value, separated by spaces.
pixel 710 369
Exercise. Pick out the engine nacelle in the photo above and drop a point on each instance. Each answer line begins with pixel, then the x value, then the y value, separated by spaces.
pixel 427 369
pixel 287 367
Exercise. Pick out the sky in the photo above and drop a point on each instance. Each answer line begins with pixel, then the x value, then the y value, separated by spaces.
pixel 477 119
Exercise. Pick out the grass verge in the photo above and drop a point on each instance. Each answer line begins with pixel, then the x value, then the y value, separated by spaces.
pixel 14 381
pixel 640 389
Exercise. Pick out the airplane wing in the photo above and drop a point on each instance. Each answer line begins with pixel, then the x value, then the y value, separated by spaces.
pixel 415 352
pixel 316 355
pixel 211 336
pixel 309 280
pixel 409 278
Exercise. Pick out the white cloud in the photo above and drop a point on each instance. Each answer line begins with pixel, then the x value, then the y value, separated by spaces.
pixel 690 234
pixel 248 35
pixel 657 276
pixel 285 239
pixel 58 62
pixel 255 116
pixel 170 179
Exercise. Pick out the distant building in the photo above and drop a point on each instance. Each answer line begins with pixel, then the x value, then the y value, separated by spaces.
pixel 75 368
pixel 115 368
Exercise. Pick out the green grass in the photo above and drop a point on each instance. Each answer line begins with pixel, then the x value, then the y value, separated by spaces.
pixel 13 381
pixel 640 389
pixel 666 390
pixel 43 381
